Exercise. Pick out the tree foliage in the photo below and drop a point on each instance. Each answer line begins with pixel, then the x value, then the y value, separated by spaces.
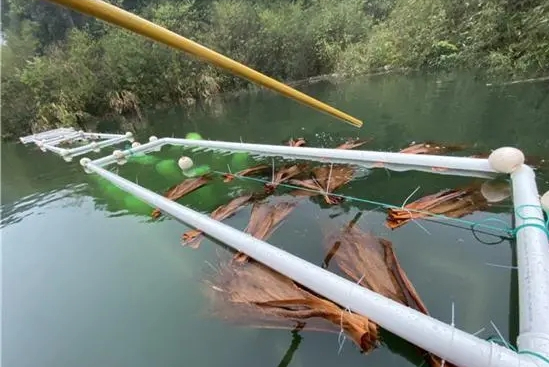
pixel 63 68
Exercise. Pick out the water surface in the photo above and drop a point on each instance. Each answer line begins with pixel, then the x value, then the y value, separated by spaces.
pixel 87 282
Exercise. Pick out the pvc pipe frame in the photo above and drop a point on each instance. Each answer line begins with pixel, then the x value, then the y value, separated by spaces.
pixel 46 134
pixel 50 142
pixel 457 166
pixel 446 341
pixel 533 263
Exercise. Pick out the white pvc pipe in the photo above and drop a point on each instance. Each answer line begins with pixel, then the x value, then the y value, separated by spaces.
pixel 74 152
pixel 56 150
pixel 102 135
pixel 454 345
pixel 59 139
pixel 533 264
pixel 143 148
pixel 369 159
pixel 45 135
pixel 347 156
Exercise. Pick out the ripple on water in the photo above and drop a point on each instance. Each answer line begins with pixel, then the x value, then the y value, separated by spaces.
pixel 35 204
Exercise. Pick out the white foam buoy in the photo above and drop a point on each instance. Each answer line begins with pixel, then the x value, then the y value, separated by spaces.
pixel 84 162
pixel 66 155
pixel 185 163
pixel 495 191
pixel 156 149
pixel 119 156
pixel 129 135
pixel 135 144
pixel 545 201
pixel 506 159
pixel 95 147
pixel 40 145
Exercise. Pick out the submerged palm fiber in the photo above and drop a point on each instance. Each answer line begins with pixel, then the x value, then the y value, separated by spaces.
pixel 288 172
pixel 296 143
pixel 531 160
pixel 371 262
pixel 453 203
pixel 433 148
pixel 430 147
pixel 193 237
pixel 351 144
pixel 264 220
pixel 178 191
pixel 284 174
pixel 325 179
pixel 228 177
pixel 258 296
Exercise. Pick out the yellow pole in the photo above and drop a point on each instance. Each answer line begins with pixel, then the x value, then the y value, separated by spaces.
pixel 132 22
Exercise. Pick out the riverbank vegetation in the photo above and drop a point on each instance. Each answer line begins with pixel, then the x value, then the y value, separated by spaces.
pixel 63 68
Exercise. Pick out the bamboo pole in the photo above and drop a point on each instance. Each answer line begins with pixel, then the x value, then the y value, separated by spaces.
pixel 134 23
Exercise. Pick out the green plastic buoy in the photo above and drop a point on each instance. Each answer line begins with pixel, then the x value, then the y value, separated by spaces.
pixel 175 148
pixel 206 196
pixel 197 171
pixel 143 159
pixel 193 136
pixel 239 161
pixel 168 168
pixel 110 189
pixel 189 136
pixel 136 206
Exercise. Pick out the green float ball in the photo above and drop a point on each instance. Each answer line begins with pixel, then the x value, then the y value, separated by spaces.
pixel 239 161
pixel 197 171
pixel 175 148
pixel 134 205
pixel 143 159
pixel 206 197
pixel 110 189
pixel 193 136
pixel 168 168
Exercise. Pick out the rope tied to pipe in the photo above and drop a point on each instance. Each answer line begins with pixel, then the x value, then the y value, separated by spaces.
pixel 503 343
pixel 508 231
pixel 542 224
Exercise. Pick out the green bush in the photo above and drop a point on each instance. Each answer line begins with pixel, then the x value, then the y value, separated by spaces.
pixel 59 68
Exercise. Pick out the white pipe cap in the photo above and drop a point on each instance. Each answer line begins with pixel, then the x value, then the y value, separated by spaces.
pixel 506 159
pixel 185 163
pixel 545 201
pixel 495 191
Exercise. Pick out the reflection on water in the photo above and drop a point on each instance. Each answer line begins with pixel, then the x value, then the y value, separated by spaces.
pixel 33 204
pixel 90 279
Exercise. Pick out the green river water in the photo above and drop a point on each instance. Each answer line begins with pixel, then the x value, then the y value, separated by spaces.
pixel 87 282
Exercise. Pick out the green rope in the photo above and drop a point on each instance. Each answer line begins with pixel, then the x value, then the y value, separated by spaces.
pixel 543 225
pixel 502 343
pixel 506 229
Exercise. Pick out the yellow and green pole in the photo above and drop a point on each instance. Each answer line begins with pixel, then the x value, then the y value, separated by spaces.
pixel 132 22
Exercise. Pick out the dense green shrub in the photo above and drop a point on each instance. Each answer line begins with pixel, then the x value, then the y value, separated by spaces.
pixel 62 68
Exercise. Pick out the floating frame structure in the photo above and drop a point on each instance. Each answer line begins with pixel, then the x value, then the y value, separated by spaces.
pixel 49 141
pixel 444 340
